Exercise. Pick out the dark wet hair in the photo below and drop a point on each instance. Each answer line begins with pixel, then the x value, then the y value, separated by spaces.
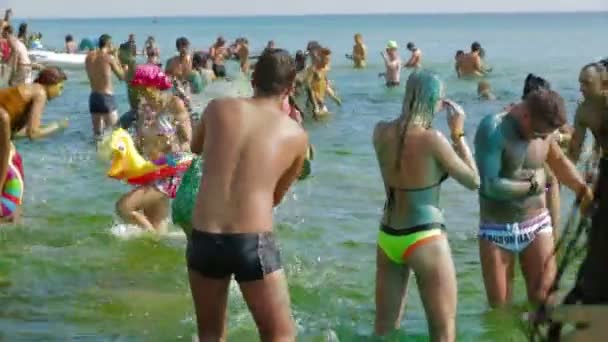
pixel 50 76
pixel 475 47
pixel 410 45
pixel 548 106
pixel 274 72
pixel 181 42
pixel 104 40
pixel 533 83
pixel 22 32
pixel 199 59
pixel 300 60
pixel 69 38
pixel 459 53
pixel 598 66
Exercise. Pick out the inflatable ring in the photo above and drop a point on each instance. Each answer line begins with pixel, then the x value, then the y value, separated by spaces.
pixel 128 165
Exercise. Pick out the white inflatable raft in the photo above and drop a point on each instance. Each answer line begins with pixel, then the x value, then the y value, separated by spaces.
pixel 57 58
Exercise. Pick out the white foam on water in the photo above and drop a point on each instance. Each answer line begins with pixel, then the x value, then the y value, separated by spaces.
pixel 127 231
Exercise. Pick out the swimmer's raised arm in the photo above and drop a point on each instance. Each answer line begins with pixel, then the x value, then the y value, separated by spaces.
pixel 489 143
pixel 578 137
pixel 457 159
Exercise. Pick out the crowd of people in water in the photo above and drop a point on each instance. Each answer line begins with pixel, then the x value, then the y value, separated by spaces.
pixel 249 152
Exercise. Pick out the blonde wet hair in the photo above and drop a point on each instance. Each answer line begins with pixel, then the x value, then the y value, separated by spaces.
pixel 423 90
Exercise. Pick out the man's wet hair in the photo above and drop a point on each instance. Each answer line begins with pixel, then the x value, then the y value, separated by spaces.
pixel 69 38
pixel 410 45
pixel 459 53
pixel 475 46
pixel 104 40
pixel 598 66
pixel 22 30
pixel 533 83
pixel 548 106
pixel 199 59
pixel 181 42
pixel 274 72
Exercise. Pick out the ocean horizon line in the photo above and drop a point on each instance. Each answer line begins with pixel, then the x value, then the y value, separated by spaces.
pixel 311 15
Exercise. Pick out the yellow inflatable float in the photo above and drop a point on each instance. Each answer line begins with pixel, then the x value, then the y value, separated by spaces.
pixel 128 165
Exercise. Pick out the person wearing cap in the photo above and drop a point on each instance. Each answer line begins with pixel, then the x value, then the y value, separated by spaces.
pixel 415 60
pixel 163 131
pixel 392 61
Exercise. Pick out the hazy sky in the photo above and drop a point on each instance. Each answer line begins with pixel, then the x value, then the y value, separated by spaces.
pixel 114 8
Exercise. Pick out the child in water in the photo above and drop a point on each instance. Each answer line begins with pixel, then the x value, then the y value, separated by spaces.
pixel 318 85
pixel 484 91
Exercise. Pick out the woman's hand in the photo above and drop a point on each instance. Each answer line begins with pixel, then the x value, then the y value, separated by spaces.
pixel 455 117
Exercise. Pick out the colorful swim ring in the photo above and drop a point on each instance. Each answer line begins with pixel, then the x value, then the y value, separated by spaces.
pixel 128 165
pixel 12 190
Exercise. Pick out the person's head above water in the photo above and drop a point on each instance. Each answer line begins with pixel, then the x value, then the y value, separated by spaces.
pixel 424 91
pixel 274 74
pixel 533 83
pixel 475 47
pixel 540 114
pixel 182 44
pixel 199 60
pixel 270 44
pixel 22 31
pixel 51 78
pixel 459 54
pixel 220 41
pixel 591 80
pixel 411 46
pixel 358 38
pixel 69 38
pixel 483 87
pixel 105 41
pixel 300 60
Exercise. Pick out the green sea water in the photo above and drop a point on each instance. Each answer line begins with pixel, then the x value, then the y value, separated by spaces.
pixel 71 271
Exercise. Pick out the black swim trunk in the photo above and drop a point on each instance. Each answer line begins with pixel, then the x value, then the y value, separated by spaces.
pixel 249 257
pixel 219 70
pixel 392 84
pixel 101 103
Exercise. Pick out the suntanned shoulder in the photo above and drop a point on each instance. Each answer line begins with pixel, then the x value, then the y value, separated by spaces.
pixel 379 130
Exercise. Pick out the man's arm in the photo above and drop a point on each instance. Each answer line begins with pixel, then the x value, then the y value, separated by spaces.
pixel 564 170
pixel 293 172
pixel 413 60
pixel 116 68
pixel 578 137
pixel 198 136
pixel 489 144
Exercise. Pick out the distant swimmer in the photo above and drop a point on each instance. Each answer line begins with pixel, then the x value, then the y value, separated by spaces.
pixel 470 64
pixel 21 110
pixel 201 75
pixel 458 56
pixel 70 44
pixel 100 64
pixel 253 153
pixel 484 91
pixel 219 52
pixel 359 56
pixel 392 62
pixel 180 66
pixel 415 60
pixel 242 52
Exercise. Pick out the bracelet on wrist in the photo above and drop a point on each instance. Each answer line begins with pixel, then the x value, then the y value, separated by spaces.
pixel 457 135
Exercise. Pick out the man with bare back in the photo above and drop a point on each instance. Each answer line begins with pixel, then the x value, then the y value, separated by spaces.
pixel 100 64
pixel 511 150
pixel 253 152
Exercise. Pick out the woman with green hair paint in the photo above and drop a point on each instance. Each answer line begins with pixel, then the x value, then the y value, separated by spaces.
pixel 414 160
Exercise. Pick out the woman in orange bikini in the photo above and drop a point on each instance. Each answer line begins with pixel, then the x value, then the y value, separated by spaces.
pixel 21 108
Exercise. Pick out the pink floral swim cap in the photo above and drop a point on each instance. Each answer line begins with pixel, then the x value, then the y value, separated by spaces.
pixel 150 75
